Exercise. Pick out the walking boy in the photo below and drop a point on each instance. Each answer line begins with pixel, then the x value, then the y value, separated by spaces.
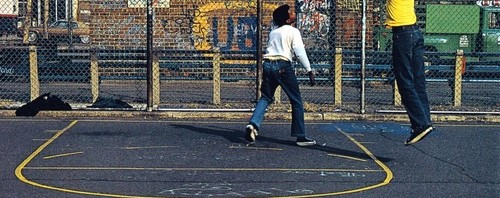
pixel 284 41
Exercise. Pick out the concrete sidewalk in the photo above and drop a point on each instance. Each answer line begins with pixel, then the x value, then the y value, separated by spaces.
pixel 340 116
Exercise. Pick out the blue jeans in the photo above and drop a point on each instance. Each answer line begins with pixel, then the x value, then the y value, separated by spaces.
pixel 408 65
pixel 280 73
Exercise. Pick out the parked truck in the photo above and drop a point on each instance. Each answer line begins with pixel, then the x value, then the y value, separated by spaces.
pixel 475 29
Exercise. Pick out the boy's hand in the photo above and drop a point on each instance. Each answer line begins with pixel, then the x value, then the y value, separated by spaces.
pixel 312 81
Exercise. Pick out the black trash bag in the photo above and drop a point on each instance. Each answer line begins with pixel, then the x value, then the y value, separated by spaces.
pixel 103 102
pixel 43 102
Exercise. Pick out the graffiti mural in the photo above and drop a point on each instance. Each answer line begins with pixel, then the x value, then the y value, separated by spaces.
pixel 313 19
pixel 178 28
pixel 351 5
pixel 245 32
pixel 218 25
pixel 226 25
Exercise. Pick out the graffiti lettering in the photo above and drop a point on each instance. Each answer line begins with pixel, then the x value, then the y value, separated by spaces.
pixel 136 29
pixel 230 33
pixel 179 28
pixel 4 70
pixel 245 33
pixel 245 29
pixel 228 190
pixel 110 4
pixel 235 5
pixel 352 5
pixel 176 26
pixel 313 21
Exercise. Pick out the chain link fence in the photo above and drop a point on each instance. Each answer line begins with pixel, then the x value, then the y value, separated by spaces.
pixel 204 54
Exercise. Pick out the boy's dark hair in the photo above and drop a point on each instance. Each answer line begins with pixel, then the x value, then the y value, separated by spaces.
pixel 280 15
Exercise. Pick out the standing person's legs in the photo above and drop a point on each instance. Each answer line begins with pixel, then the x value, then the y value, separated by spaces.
pixel 290 86
pixel 268 87
pixel 419 73
pixel 402 51
pixel 410 76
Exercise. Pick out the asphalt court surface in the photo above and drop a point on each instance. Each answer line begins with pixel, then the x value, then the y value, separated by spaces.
pixel 131 158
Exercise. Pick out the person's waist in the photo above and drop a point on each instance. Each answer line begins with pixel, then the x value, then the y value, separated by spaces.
pixel 275 60
pixel 274 57
pixel 405 27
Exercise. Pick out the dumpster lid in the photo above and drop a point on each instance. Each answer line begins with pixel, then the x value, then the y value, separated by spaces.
pixel 458 19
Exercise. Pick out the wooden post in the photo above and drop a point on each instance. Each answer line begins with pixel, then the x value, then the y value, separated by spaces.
pixel 94 75
pixel 34 82
pixel 27 21
pixel 277 95
pixel 396 95
pixel 337 88
pixel 46 19
pixel 457 86
pixel 156 81
pixel 216 77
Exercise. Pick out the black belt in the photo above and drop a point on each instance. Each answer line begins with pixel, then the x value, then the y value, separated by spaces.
pixel 405 27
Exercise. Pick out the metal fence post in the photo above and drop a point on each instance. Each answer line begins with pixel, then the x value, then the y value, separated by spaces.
pixel 149 53
pixel 457 86
pixel 337 88
pixel 34 82
pixel 94 75
pixel 216 76
pixel 363 59
pixel 258 77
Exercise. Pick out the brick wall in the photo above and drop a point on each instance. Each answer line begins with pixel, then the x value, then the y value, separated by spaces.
pixel 349 22
pixel 184 24
pixel 227 24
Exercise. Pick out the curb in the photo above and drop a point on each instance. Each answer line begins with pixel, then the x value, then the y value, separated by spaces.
pixel 198 115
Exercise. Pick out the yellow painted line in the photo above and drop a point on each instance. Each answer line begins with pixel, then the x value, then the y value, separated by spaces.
pixel 347 157
pixel 146 147
pixel 197 169
pixel 386 169
pixel 20 167
pixel 255 148
pixel 62 155
pixel 20 176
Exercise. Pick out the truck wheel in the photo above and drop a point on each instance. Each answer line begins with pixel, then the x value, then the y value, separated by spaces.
pixel 32 37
